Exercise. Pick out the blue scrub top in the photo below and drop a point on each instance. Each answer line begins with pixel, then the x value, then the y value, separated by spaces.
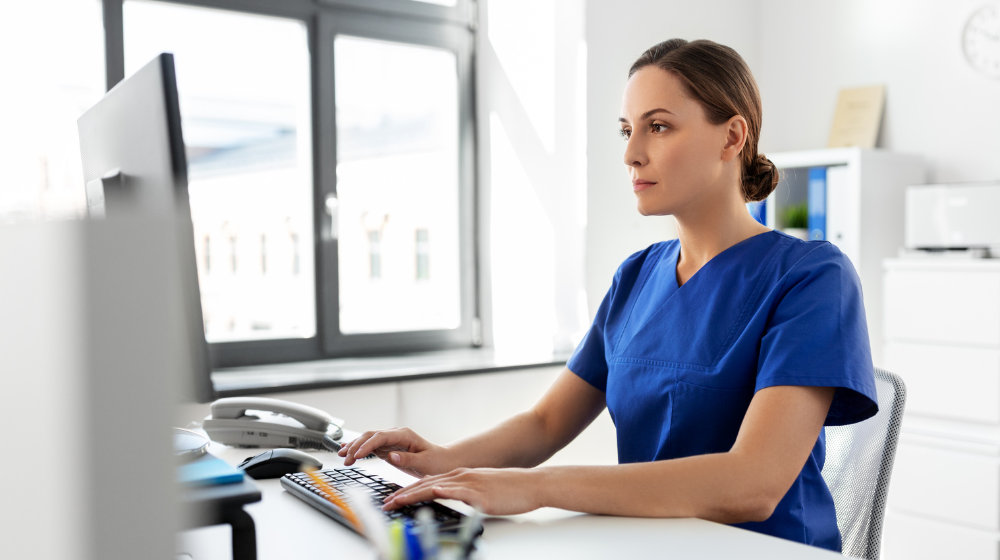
pixel 679 365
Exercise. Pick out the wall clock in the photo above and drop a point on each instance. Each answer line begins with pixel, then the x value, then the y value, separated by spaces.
pixel 981 40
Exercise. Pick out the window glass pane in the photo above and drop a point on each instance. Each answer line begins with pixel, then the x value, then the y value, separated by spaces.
pixel 52 66
pixel 244 92
pixel 397 175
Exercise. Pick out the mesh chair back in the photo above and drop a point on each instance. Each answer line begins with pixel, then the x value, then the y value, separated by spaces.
pixel 858 464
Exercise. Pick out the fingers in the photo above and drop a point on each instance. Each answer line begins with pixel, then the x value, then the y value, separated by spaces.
pixel 369 441
pixel 401 437
pixel 344 447
pixel 424 494
pixel 349 451
pixel 422 490
pixel 461 493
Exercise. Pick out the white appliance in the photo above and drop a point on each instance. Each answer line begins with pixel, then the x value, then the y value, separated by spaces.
pixel 958 216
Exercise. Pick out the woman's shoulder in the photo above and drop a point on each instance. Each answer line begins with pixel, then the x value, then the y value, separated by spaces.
pixel 800 260
pixel 650 255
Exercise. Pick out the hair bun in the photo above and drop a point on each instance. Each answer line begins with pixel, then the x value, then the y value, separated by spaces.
pixel 760 179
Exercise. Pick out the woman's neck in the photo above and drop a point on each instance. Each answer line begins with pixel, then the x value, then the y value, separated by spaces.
pixel 704 233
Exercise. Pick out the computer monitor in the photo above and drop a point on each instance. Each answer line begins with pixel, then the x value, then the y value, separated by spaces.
pixel 134 163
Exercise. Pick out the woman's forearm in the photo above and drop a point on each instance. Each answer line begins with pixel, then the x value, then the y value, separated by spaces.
pixel 529 438
pixel 520 441
pixel 744 484
pixel 723 487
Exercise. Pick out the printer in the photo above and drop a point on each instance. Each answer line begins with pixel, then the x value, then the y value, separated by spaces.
pixel 960 216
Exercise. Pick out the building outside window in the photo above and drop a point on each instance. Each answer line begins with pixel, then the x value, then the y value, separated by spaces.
pixel 423 255
pixel 375 254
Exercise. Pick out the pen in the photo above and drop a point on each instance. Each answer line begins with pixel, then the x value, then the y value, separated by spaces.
pixel 333 497
pixel 427 533
pixel 414 551
pixel 467 533
pixel 397 539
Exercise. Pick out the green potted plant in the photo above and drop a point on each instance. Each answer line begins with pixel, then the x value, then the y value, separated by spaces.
pixel 795 220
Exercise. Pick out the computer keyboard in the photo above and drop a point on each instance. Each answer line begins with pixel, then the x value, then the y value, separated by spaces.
pixel 303 487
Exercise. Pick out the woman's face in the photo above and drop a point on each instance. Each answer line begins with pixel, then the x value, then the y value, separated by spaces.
pixel 675 157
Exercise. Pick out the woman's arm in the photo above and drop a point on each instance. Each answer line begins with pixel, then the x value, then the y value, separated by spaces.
pixel 524 440
pixel 743 484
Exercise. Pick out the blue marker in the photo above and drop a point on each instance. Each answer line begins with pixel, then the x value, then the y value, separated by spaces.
pixel 413 549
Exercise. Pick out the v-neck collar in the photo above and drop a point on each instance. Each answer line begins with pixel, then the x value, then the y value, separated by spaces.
pixel 633 325
pixel 677 257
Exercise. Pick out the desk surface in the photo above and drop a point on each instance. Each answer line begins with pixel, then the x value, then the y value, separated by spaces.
pixel 288 528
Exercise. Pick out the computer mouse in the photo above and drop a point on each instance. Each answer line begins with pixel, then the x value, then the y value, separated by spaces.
pixel 278 463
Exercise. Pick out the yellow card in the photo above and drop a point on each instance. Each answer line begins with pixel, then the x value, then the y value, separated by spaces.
pixel 858 116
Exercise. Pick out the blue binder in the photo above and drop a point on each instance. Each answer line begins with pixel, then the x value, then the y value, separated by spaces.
pixel 817 203
pixel 208 470
pixel 759 211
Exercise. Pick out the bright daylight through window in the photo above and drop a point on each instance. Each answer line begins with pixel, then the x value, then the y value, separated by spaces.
pixel 397 183
pixel 46 87
pixel 245 108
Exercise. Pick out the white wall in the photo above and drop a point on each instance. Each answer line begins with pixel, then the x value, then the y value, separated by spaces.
pixel 936 104
pixel 617 33
pixel 530 91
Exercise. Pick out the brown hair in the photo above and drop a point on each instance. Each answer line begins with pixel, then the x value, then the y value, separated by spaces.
pixel 717 77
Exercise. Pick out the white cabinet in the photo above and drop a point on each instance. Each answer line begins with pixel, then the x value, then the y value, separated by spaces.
pixel 941 333
pixel 864 210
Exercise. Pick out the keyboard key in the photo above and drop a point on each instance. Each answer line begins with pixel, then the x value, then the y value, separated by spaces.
pixel 374 486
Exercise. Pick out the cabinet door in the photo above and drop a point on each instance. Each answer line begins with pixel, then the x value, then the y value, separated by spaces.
pixel 938 306
pixel 952 486
pixel 908 537
pixel 948 381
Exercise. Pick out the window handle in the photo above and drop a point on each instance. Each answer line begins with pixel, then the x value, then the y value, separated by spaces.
pixel 332 207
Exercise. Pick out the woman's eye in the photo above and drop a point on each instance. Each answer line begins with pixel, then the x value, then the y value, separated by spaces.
pixel 658 127
pixel 624 133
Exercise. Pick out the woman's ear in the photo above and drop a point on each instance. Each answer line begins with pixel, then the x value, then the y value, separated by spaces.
pixel 736 138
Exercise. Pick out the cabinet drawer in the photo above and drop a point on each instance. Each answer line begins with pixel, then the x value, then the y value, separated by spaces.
pixel 942 306
pixel 947 485
pixel 907 537
pixel 948 381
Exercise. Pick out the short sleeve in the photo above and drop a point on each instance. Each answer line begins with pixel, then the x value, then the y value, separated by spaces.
pixel 589 361
pixel 818 336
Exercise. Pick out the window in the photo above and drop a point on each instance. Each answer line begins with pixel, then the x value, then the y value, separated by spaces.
pixel 374 256
pixel 423 255
pixel 313 158
pixel 45 89
pixel 397 166
pixel 245 109
pixel 206 253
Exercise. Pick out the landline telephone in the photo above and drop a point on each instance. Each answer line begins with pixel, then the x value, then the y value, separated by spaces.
pixel 264 422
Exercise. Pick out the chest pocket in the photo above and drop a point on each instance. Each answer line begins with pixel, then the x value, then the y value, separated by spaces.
pixel 705 420
pixel 687 329
pixel 699 320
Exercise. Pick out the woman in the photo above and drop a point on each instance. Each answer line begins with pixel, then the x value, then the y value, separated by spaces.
pixel 720 355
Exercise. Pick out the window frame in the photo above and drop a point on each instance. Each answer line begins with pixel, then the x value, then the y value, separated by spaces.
pixel 404 21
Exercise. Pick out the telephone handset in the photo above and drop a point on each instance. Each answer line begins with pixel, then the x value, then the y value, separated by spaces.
pixel 264 422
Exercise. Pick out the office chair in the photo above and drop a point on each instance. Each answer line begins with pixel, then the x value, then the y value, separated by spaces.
pixel 858 465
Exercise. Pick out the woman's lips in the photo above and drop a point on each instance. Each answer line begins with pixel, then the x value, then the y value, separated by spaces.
pixel 640 185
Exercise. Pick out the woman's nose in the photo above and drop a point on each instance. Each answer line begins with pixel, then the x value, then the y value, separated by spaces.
pixel 634 156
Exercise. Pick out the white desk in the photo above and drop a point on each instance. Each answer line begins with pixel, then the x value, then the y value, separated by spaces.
pixel 287 528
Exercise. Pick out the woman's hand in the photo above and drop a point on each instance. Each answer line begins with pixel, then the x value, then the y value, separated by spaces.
pixel 492 491
pixel 401 448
